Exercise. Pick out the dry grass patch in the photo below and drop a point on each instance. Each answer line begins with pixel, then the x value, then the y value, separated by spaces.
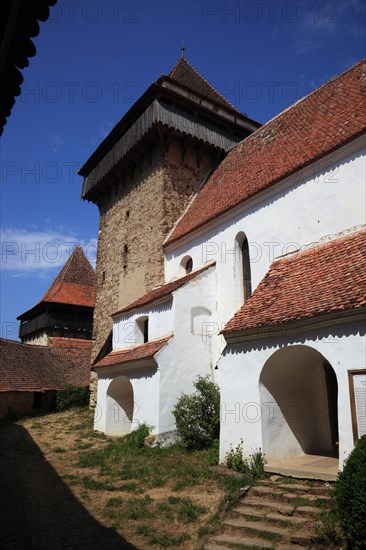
pixel 163 498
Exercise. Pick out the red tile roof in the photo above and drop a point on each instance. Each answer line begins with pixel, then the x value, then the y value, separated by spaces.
pixel 311 128
pixel 36 368
pixel 78 351
pixel 328 278
pixel 136 353
pixel 163 290
pixel 185 74
pixel 75 284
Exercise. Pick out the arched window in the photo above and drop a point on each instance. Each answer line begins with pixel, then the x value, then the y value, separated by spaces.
pixel 242 268
pixel 247 279
pixel 186 265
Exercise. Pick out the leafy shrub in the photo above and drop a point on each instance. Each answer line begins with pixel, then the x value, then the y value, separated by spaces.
pixel 137 437
pixel 253 465
pixel 350 497
pixel 197 416
pixel 72 396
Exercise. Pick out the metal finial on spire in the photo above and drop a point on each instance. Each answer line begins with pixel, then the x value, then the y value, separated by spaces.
pixel 183 48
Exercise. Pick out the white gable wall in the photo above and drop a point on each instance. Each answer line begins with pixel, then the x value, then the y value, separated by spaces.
pixel 109 418
pixel 125 329
pixel 189 354
pixel 326 198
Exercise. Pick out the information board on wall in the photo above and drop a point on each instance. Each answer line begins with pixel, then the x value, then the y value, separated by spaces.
pixel 357 388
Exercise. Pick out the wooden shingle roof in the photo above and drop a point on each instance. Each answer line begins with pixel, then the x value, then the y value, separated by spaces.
pixel 18 26
pixel 188 76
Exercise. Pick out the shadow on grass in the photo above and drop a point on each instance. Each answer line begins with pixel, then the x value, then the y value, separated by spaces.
pixel 37 509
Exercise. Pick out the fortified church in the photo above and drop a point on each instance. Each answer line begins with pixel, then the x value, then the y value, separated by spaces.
pixel 237 251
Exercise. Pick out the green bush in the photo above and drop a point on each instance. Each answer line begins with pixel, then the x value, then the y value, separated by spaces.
pixel 350 497
pixel 72 396
pixel 136 438
pixel 253 465
pixel 197 416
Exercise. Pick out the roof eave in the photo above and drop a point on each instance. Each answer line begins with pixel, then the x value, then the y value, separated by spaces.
pixel 292 328
pixel 158 91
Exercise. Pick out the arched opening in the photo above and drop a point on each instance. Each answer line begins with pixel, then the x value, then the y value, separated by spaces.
pixel 242 266
pixel 299 392
pixel 186 265
pixel 120 406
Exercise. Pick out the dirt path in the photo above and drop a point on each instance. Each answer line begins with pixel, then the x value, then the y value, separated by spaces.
pixel 37 510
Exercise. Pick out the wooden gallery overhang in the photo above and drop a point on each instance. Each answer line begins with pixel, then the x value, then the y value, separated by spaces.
pixel 18 24
pixel 167 108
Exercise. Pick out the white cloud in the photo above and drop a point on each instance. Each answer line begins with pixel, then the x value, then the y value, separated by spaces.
pixel 40 252
pixel 324 23
pixel 56 143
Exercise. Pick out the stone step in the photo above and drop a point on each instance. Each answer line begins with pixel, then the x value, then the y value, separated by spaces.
pixel 289 520
pixel 259 526
pixel 303 539
pixel 242 542
pixel 277 495
pixel 296 488
pixel 250 511
pixel 307 511
pixel 270 505
pixel 314 498
pixel 271 516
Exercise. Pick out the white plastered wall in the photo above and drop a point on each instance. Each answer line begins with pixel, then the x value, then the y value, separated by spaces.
pixel 240 368
pixel 189 354
pixel 324 199
pixel 126 332
pixel 191 315
pixel 145 384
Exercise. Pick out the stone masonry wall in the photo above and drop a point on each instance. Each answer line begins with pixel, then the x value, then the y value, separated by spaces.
pixel 132 228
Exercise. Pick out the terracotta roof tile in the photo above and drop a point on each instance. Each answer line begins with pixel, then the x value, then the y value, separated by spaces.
pixel 36 368
pixel 75 284
pixel 185 74
pixel 311 128
pixel 330 277
pixel 136 353
pixel 163 290
pixel 78 351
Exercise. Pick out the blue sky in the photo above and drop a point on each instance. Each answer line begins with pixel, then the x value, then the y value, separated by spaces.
pixel 94 59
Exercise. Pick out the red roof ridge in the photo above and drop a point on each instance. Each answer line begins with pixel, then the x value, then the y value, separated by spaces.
pixel 183 60
pixel 326 239
pixel 163 290
pixel 314 92
pixel 313 248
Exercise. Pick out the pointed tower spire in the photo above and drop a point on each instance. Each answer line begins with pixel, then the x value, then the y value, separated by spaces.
pixel 183 47
pixel 76 272
pixel 66 308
